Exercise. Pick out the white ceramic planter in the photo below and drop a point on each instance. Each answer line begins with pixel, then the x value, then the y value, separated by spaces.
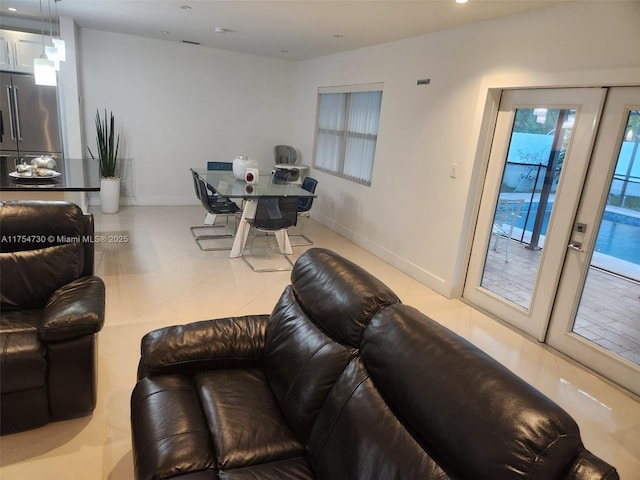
pixel 110 194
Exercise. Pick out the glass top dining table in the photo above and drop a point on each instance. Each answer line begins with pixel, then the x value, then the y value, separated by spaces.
pixel 227 185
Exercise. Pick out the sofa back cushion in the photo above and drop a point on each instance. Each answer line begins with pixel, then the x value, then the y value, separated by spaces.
pixel 476 418
pixel 35 224
pixel 338 295
pixel 315 329
pixel 29 277
pixel 301 363
pixel 358 437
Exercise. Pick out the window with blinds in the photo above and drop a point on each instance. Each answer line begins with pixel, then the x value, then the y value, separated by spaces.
pixel 347 131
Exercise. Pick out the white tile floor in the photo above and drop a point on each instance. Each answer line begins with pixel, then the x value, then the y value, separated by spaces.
pixel 160 277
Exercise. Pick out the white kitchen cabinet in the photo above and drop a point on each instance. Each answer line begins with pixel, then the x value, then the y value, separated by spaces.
pixel 18 49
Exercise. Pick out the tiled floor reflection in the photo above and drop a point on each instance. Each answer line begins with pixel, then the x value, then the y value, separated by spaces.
pixel 159 277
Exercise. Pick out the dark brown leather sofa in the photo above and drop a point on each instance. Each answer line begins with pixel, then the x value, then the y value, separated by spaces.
pixel 341 382
pixel 52 307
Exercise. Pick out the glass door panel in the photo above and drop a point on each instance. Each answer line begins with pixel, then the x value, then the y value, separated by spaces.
pixel 537 148
pixel 596 319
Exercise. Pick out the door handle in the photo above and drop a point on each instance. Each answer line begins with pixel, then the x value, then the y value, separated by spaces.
pixel 577 246
pixel 16 104
pixel 12 125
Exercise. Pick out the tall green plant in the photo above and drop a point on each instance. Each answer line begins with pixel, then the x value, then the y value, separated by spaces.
pixel 107 143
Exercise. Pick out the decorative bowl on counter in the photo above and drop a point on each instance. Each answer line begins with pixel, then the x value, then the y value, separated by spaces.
pixel 43 161
pixel 35 174
pixel 40 168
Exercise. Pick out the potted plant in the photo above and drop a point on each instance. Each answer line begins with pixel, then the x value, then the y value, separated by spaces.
pixel 108 143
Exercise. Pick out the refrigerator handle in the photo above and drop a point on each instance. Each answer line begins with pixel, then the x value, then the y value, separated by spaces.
pixel 16 107
pixel 11 119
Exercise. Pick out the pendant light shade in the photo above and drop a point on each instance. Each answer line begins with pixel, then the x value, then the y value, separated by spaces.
pixel 60 46
pixel 52 54
pixel 44 71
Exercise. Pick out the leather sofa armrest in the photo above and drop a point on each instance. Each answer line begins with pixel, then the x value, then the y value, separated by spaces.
pixel 589 467
pixel 234 342
pixel 74 310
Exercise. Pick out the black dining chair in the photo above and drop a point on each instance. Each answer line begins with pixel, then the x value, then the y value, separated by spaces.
pixel 304 205
pixel 215 206
pixel 273 215
pixel 220 166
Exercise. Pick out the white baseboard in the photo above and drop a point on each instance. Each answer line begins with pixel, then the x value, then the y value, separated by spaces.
pixel 423 276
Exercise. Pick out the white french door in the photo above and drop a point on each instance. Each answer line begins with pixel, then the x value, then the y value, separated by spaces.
pixel 596 315
pixel 559 160
pixel 542 138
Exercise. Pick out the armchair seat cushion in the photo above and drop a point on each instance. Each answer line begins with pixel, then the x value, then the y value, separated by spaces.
pixel 231 421
pixel 291 469
pixel 171 441
pixel 246 423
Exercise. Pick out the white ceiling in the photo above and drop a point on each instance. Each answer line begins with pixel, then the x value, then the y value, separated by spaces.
pixel 292 29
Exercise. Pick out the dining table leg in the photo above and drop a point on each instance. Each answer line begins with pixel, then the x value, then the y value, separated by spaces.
pixel 249 211
pixel 283 242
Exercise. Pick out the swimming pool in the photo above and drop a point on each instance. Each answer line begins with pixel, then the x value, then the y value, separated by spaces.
pixel 619 239
pixel 619 234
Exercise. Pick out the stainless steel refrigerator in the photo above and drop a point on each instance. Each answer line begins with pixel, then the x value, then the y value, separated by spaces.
pixel 29 123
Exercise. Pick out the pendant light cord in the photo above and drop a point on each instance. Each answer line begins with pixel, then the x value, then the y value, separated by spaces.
pixel 42 26
pixel 50 21
pixel 55 4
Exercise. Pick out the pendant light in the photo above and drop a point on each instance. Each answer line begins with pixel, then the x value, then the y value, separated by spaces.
pixel 44 70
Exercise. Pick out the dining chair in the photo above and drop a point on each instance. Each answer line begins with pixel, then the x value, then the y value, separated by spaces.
pixel 304 205
pixel 209 220
pixel 220 166
pixel 215 206
pixel 273 215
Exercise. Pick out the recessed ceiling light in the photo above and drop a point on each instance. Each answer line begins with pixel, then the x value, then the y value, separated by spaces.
pixel 461 1
pixel 12 9
pixel 222 30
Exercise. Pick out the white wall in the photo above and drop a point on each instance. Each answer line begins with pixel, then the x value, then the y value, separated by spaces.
pixel 180 105
pixel 72 127
pixel 414 215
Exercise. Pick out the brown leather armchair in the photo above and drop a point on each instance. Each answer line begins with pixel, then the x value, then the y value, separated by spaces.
pixel 52 307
